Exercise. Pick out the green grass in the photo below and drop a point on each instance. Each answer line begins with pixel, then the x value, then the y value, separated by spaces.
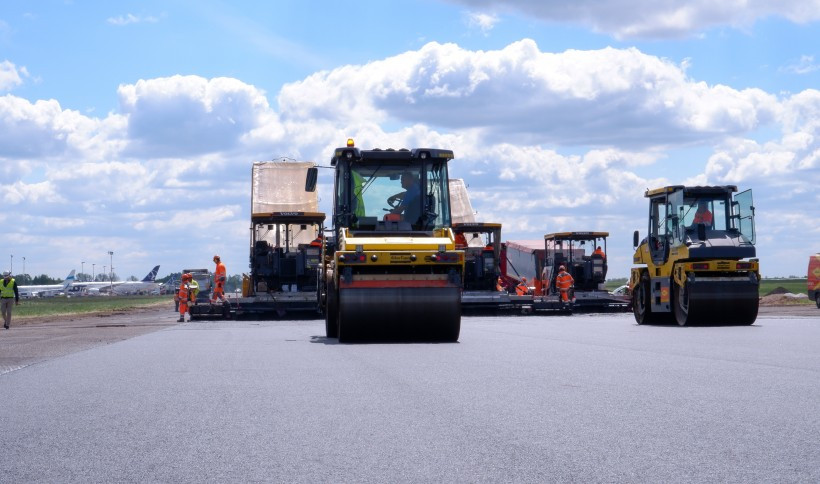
pixel 796 286
pixel 36 307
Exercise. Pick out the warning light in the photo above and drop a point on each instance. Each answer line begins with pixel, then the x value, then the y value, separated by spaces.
pixel 350 142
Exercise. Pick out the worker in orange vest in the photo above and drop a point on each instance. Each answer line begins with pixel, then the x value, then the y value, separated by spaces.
pixel 600 252
pixel 522 288
pixel 564 282
pixel 703 215
pixel 183 296
pixel 220 276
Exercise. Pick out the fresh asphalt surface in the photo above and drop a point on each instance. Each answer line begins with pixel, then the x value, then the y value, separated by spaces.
pixel 584 398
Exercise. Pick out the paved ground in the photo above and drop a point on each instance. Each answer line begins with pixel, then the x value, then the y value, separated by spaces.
pixel 587 398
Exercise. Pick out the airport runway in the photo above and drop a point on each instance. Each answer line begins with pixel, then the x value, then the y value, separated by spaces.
pixel 586 398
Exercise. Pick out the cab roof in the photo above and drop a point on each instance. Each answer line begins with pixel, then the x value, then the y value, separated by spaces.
pixel 476 226
pixel 288 217
pixel 390 154
pixel 576 235
pixel 692 190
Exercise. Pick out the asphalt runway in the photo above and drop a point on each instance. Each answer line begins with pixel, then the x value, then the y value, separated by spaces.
pixel 582 398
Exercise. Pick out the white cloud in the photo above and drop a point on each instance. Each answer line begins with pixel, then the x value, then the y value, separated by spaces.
pixel 129 18
pixel 599 97
pixel 190 115
pixel 19 192
pixel 547 142
pixel 11 76
pixel 656 19
pixel 482 21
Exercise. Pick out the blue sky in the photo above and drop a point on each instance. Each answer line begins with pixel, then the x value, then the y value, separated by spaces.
pixel 131 126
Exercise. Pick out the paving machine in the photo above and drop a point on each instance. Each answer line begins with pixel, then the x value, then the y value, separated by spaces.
pixel 583 254
pixel 285 242
pixel 390 270
pixel 696 265
pixel 481 242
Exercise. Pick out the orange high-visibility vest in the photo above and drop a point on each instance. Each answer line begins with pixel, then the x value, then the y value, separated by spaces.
pixel 564 281
pixel 220 275
pixel 704 217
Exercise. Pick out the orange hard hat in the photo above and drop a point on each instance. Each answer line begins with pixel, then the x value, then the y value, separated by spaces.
pixel 187 276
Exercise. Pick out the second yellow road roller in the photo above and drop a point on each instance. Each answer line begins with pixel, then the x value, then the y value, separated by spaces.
pixel 697 264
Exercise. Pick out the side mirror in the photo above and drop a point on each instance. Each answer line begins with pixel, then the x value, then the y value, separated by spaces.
pixel 310 179
pixel 635 238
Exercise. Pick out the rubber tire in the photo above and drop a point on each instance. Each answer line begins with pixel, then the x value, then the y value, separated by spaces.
pixel 641 302
pixel 817 300
pixel 332 312
pixel 681 314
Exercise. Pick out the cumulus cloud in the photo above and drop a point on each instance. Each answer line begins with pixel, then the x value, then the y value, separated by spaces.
pixel 19 192
pixel 598 97
pixel 657 19
pixel 777 162
pixel 11 76
pixel 129 18
pixel 190 115
pixel 41 129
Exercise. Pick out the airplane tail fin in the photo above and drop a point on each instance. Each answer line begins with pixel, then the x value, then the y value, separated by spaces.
pixel 151 277
pixel 69 280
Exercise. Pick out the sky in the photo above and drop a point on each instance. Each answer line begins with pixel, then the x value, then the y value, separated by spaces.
pixel 131 127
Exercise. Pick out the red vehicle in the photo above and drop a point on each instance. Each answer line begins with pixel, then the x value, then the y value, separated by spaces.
pixel 814 278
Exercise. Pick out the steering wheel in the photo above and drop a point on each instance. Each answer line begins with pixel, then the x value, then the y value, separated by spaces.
pixel 395 200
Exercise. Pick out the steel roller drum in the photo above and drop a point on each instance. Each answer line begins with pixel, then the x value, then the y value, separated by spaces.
pixel 715 302
pixel 400 314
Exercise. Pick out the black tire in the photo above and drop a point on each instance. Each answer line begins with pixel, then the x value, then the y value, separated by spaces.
pixel 332 312
pixel 680 305
pixel 817 300
pixel 641 301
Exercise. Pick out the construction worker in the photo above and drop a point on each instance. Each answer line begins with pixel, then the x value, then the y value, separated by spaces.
pixel 499 285
pixel 8 291
pixel 194 287
pixel 600 252
pixel 703 215
pixel 183 296
pixel 220 276
pixel 521 289
pixel 564 282
pixel 410 205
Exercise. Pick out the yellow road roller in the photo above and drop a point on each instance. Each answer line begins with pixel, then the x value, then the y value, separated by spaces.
pixel 390 269
pixel 697 263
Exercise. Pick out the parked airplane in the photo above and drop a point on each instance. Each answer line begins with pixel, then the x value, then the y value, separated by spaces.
pixel 145 286
pixel 46 290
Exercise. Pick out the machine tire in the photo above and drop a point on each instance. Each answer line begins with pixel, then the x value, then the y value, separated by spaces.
pixel 641 305
pixel 681 310
pixel 332 312
pixel 817 301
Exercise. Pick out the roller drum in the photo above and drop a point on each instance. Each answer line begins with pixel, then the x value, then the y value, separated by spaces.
pixel 400 313
pixel 717 302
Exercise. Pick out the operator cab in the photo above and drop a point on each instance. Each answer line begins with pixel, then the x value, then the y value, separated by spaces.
pixel 578 253
pixel 403 191
pixel 709 221
pixel 481 243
